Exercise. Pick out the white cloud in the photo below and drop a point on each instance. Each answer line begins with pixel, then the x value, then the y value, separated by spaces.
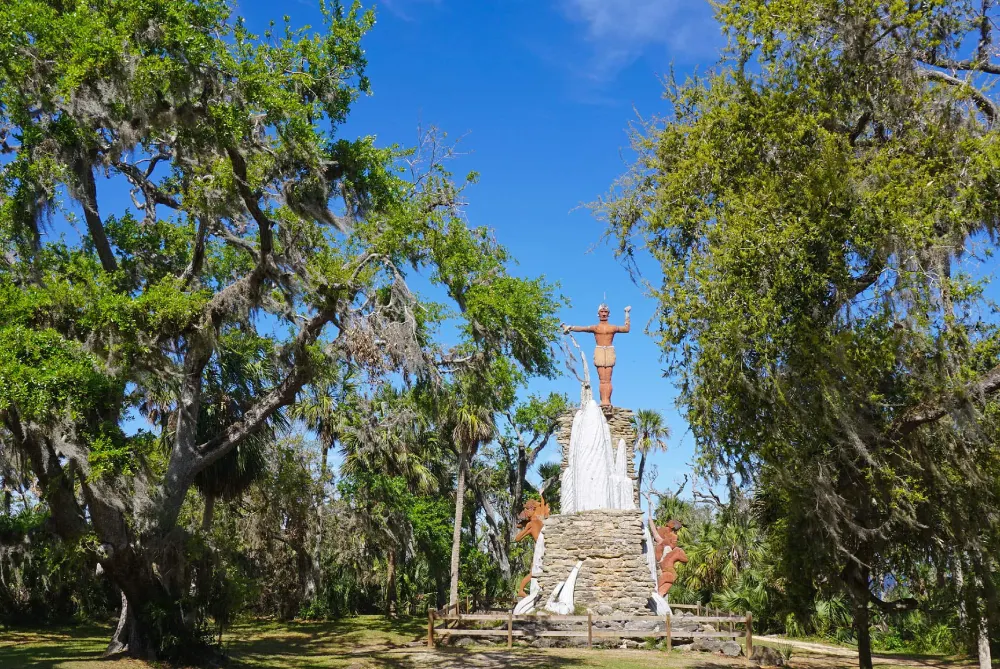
pixel 622 30
pixel 402 8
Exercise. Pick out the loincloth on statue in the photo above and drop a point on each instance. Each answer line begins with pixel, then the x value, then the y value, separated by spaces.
pixel 604 356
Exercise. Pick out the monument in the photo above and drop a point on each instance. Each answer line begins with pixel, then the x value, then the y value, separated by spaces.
pixel 604 351
pixel 598 553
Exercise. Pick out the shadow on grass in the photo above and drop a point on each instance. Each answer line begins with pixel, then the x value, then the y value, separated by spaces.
pixel 366 642
pixel 69 647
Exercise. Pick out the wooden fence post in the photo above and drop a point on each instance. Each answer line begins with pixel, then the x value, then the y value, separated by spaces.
pixel 510 629
pixel 698 608
pixel 749 624
pixel 670 642
pixel 430 628
pixel 590 630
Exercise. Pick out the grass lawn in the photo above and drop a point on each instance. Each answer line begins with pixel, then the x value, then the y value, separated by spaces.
pixel 367 642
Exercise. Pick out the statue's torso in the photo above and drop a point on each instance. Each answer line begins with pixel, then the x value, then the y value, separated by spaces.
pixel 604 333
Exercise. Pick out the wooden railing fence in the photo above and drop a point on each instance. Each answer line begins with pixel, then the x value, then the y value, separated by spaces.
pixel 452 626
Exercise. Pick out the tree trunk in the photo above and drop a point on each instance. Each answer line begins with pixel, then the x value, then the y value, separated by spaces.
pixel 456 537
pixel 473 515
pixel 209 514
pixel 149 613
pixel 983 642
pixel 316 575
pixel 130 638
pixel 390 586
pixel 862 627
pixel 978 615
pixel 982 607
pixel 642 468
pixel 856 577
pixel 517 502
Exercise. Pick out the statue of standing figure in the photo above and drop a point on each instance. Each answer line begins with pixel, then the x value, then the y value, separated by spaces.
pixel 604 353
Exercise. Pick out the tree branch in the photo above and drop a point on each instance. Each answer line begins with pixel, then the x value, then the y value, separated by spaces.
pixel 57 487
pixel 141 181
pixel 959 65
pixel 252 202
pixel 198 256
pixel 978 97
pixel 281 395
pixel 87 194
pixel 929 412
pixel 897 606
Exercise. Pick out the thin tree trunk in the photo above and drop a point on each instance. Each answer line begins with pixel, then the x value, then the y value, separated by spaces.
pixel 958 570
pixel 314 580
pixel 456 537
pixel 390 586
pixel 522 473
pixel 642 468
pixel 473 516
pixel 129 637
pixel 209 514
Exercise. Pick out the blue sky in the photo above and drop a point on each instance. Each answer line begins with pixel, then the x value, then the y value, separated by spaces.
pixel 541 94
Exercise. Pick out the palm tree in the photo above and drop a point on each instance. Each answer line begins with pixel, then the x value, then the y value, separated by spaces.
pixel 472 424
pixel 652 435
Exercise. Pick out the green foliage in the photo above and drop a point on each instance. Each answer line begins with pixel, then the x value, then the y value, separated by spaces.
pixel 814 204
pixel 264 251
pixel 43 580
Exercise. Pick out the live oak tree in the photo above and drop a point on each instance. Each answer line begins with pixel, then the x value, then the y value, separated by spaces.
pixel 254 226
pixel 824 206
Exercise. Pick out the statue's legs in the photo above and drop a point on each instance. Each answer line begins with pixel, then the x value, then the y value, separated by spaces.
pixel 604 374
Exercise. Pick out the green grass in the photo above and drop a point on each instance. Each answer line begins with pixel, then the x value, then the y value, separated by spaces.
pixel 364 642
pixel 76 647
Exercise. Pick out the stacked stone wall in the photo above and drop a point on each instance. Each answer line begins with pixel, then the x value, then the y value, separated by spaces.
pixel 620 423
pixel 614 577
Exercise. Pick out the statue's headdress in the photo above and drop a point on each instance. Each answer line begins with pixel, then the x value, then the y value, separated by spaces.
pixel 603 305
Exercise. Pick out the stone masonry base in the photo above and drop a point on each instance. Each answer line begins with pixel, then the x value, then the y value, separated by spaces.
pixel 614 577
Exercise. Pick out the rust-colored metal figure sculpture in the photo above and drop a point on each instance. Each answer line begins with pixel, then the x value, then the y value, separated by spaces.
pixel 665 537
pixel 668 573
pixel 530 520
pixel 604 353
pixel 667 553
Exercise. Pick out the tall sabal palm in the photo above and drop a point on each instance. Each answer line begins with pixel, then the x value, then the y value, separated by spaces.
pixel 472 425
pixel 652 435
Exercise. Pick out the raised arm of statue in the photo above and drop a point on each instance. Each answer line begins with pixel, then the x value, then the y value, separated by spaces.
pixel 628 321
pixel 653 529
